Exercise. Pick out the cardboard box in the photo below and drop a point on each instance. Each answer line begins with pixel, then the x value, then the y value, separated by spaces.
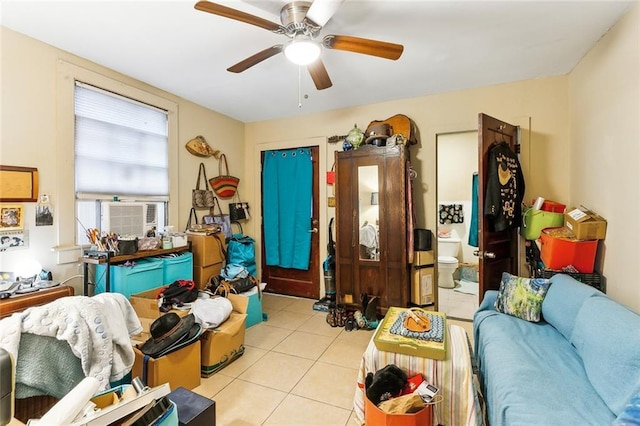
pixel 146 305
pixel 179 368
pixel 585 224
pixel 207 249
pixel 202 274
pixel 422 285
pixel 423 258
pixel 395 343
pixel 225 343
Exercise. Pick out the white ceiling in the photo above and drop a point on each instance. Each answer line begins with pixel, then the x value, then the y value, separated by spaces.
pixel 448 45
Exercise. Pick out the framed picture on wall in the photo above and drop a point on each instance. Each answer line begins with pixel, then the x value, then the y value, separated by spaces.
pixel 11 217
pixel 18 184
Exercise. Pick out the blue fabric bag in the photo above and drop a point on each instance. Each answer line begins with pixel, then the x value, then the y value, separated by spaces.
pixel 233 270
pixel 241 251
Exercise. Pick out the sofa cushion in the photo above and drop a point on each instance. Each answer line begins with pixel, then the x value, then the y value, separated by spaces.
pixel 521 297
pixel 531 375
pixel 607 337
pixel 563 300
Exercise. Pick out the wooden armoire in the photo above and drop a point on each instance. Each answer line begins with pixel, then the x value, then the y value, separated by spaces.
pixel 372 190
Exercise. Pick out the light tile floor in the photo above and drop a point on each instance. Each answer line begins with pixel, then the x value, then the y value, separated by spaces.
pixel 456 304
pixel 296 370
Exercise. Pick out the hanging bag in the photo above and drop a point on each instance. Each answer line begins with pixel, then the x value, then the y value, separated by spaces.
pixel 224 184
pixel 192 214
pixel 202 198
pixel 218 218
pixel 238 210
pixel 241 251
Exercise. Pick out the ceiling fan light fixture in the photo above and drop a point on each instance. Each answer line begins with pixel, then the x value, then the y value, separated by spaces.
pixel 302 51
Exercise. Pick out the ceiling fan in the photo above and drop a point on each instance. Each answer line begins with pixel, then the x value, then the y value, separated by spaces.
pixel 302 22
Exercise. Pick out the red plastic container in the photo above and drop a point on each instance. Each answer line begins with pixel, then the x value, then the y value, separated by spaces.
pixel 551 206
pixel 558 252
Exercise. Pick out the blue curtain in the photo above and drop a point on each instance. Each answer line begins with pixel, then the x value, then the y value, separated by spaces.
pixel 473 226
pixel 287 178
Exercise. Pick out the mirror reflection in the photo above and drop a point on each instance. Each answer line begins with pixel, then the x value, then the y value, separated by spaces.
pixel 369 199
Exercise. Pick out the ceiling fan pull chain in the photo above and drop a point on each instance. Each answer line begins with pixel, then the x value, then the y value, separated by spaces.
pixel 299 87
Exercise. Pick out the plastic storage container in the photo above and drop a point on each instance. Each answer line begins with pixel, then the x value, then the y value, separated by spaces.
pixel 558 252
pixel 551 206
pixel 145 274
pixel 177 268
pixel 534 221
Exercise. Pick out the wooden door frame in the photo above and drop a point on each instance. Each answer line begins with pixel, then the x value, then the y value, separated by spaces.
pixel 426 157
pixel 256 212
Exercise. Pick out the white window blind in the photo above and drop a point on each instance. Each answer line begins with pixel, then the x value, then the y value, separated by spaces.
pixel 121 145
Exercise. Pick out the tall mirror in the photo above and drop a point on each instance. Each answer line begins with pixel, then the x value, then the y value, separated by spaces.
pixel 368 212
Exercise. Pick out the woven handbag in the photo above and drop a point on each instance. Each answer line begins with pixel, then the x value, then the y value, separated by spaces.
pixel 202 198
pixel 224 184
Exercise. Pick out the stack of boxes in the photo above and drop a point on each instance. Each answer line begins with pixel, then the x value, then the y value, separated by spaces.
pixel 572 246
pixel 215 349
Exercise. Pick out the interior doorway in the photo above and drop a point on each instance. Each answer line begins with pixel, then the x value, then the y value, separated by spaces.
pixel 457 164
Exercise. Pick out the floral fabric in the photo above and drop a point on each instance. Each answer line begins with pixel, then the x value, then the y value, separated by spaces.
pixel 521 297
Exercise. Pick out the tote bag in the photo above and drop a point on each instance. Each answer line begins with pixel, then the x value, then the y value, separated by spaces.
pixel 224 184
pixel 241 251
pixel 202 198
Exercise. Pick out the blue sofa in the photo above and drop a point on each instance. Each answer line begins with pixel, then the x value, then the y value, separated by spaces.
pixel 580 365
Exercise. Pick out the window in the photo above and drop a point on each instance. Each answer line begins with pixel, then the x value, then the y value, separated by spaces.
pixel 121 154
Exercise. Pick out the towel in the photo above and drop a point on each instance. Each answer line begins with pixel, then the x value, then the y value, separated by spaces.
pixel 96 330
pixel 123 323
pixel 450 213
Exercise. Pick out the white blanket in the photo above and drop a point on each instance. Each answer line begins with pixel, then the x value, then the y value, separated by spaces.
pixel 95 329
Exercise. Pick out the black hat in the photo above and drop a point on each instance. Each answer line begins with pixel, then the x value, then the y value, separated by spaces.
pixel 169 333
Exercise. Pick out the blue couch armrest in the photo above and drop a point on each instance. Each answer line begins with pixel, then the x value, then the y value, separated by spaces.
pixel 488 301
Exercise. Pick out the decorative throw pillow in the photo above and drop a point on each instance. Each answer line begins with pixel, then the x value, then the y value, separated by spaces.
pixel 521 297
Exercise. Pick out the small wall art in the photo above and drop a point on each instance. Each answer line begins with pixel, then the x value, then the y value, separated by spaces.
pixel 11 217
pixel 12 240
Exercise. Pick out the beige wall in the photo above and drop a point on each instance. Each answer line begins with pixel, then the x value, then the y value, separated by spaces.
pixel 540 107
pixel 35 129
pixel 605 150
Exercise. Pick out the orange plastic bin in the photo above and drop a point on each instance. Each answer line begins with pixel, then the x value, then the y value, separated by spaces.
pixel 558 251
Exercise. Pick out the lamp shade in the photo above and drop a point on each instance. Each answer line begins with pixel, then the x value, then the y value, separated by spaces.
pixel 302 51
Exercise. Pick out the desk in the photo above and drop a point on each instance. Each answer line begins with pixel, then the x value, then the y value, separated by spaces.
pixel 20 302
pixel 109 259
pixel 453 376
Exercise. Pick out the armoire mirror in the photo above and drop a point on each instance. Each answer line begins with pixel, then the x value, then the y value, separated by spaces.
pixel 368 212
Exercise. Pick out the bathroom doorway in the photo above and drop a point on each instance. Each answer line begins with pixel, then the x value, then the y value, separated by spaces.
pixel 457 163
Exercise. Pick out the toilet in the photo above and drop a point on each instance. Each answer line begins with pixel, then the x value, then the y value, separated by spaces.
pixel 448 248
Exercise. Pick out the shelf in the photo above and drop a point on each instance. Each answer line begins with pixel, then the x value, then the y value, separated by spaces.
pixel 137 255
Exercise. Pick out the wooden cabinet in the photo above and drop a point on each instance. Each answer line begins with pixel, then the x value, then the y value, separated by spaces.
pixel 372 195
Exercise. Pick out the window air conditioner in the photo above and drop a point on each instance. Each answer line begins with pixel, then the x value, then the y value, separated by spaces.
pixel 124 218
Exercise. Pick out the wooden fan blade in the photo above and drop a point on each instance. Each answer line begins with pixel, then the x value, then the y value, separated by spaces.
pixel 255 59
pixel 319 75
pixel 227 12
pixel 322 10
pixel 365 46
